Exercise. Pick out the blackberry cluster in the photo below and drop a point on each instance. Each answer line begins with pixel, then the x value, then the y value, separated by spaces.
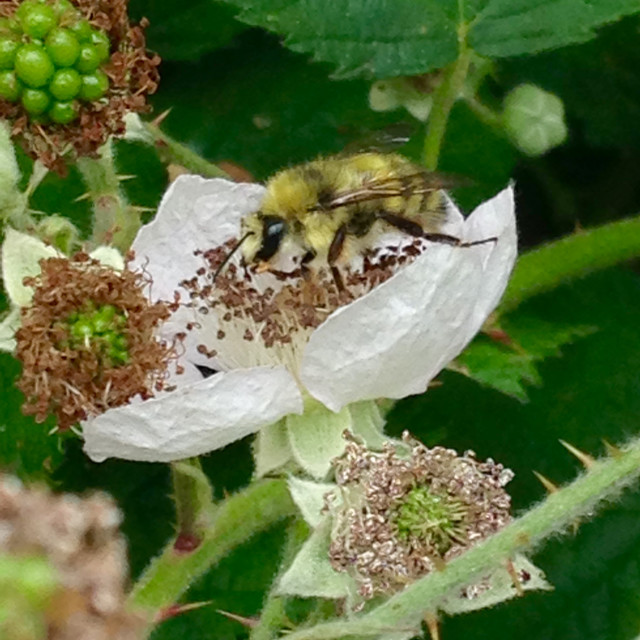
pixel 50 57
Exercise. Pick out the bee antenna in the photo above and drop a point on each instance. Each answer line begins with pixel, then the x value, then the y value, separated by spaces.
pixel 230 254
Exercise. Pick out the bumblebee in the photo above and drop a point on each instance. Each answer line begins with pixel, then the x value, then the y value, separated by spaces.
pixel 329 209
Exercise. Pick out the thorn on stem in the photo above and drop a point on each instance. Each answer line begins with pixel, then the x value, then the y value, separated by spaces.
pixel 433 625
pixel 158 120
pixel 546 483
pixel 177 609
pixel 612 450
pixel 586 460
pixel 249 623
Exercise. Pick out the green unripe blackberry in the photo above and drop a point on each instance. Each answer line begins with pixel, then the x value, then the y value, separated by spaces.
pixel 35 101
pixel 38 20
pixel 65 84
pixel 81 30
pixel 63 47
pixel 63 112
pixel 8 48
pixel 100 40
pixel 10 86
pixel 25 7
pixel 94 85
pixel 33 65
pixel 64 10
pixel 89 59
pixel 50 58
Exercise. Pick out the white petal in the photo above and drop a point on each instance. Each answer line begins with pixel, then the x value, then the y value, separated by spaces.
pixel 391 342
pixel 194 419
pixel 195 213
pixel 21 255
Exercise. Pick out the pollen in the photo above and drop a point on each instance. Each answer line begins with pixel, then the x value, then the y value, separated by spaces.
pixel 87 341
pixel 267 318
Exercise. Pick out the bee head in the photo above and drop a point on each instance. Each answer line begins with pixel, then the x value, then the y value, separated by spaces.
pixel 265 235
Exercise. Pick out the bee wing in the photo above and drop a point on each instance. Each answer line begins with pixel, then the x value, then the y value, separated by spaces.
pixel 417 183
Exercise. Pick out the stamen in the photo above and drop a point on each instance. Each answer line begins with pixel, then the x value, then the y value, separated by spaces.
pixel 267 318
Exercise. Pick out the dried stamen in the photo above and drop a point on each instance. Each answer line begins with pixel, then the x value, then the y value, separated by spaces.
pixel 87 341
pixel 404 515
pixel 277 311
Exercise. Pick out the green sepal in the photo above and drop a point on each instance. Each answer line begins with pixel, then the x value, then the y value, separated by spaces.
pixel 311 574
pixel 368 423
pixel 316 437
pixel 21 255
pixel 500 587
pixel 12 201
pixel 309 498
pixel 8 328
pixel 271 450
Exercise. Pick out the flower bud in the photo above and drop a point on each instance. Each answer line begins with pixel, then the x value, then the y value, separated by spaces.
pixel 59 232
pixel 534 119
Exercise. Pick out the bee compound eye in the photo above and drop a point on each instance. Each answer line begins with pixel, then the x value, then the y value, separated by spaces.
pixel 273 230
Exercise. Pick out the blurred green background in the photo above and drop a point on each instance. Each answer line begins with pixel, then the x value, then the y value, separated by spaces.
pixel 237 94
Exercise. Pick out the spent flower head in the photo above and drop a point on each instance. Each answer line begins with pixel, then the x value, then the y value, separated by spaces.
pixel 404 514
pixel 86 341
pixel 69 72
pixel 78 539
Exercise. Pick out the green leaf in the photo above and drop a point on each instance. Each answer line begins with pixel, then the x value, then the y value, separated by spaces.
pixel 265 108
pixel 510 368
pixel 186 30
pixel 384 38
pixel 27 449
pixel 379 37
pixel 516 27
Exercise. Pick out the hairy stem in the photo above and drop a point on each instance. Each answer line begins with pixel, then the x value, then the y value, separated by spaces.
pixel 241 516
pixel 273 618
pixel 443 101
pixel 173 151
pixel 603 481
pixel 115 221
pixel 574 256
pixel 193 498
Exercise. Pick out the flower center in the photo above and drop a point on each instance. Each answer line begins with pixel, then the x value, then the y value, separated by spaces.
pixel 88 340
pixel 267 318
pixel 434 519
pixel 101 329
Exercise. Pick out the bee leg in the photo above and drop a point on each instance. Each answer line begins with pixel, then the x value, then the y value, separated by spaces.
pixel 476 242
pixel 306 259
pixel 414 229
pixel 337 277
pixel 403 224
pixel 443 238
pixel 335 249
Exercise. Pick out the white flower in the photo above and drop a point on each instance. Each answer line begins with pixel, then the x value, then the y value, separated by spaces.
pixel 265 354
